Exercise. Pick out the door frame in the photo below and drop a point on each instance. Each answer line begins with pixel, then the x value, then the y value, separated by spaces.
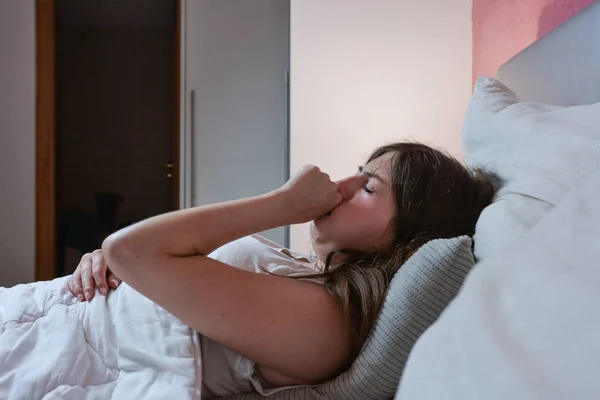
pixel 45 135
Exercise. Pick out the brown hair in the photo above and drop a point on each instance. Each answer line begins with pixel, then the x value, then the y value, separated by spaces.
pixel 435 197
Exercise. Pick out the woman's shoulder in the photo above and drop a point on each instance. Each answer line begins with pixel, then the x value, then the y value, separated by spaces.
pixel 242 249
pixel 259 254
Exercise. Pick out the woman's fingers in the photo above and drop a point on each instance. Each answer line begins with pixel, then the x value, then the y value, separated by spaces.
pixel 71 285
pixel 91 273
pixel 349 186
pixel 75 284
pixel 99 271
pixel 87 279
pixel 311 194
pixel 113 280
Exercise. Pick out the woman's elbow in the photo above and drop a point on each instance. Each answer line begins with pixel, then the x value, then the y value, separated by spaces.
pixel 119 251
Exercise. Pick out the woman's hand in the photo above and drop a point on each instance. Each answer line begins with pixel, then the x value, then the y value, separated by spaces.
pixel 310 193
pixel 91 273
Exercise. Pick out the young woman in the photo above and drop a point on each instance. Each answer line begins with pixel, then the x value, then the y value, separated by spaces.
pixel 269 318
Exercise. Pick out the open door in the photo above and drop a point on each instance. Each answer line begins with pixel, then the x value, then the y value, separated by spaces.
pixel 71 104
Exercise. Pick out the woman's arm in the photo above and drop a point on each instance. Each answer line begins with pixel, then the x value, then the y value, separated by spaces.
pixel 293 327
pixel 198 230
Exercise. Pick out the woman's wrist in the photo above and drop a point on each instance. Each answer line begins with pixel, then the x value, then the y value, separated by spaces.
pixel 279 207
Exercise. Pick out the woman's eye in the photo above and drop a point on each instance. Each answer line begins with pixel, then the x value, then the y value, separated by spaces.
pixel 366 189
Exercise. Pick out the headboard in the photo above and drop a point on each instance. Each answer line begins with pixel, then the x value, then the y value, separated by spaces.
pixel 563 67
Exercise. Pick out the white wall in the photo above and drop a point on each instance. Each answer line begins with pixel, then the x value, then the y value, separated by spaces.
pixel 17 141
pixel 367 73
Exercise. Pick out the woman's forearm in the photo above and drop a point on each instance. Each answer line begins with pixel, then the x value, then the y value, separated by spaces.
pixel 198 230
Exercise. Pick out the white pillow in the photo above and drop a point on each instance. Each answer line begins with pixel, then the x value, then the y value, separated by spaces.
pixel 540 152
pixel 525 324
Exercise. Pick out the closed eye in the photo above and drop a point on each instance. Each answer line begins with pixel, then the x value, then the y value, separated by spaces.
pixel 366 189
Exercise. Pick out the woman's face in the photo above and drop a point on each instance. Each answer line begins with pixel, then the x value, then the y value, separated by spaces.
pixel 363 221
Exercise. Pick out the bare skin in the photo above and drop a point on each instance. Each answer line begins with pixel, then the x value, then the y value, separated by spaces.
pixel 293 330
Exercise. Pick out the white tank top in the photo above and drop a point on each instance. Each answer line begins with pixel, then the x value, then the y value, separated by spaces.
pixel 225 372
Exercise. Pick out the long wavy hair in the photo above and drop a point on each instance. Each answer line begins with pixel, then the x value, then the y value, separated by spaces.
pixel 435 197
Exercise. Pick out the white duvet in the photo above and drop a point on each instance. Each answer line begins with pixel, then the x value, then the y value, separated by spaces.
pixel 122 346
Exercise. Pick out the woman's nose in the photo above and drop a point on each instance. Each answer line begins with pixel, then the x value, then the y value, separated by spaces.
pixel 349 186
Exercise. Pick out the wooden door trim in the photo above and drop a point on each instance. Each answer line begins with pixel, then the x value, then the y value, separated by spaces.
pixel 45 189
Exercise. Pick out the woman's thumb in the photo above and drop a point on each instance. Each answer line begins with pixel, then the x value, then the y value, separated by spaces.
pixel 349 186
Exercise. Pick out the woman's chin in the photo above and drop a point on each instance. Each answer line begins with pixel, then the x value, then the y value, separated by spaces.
pixel 316 226
pixel 323 228
pixel 320 237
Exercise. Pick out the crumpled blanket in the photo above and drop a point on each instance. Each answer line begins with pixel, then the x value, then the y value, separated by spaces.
pixel 122 346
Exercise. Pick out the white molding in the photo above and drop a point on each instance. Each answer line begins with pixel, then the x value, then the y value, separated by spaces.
pixel 185 151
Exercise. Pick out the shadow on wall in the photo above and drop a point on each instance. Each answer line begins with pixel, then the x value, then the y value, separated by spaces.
pixel 558 11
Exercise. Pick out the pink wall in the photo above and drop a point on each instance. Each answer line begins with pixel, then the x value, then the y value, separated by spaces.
pixel 502 28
